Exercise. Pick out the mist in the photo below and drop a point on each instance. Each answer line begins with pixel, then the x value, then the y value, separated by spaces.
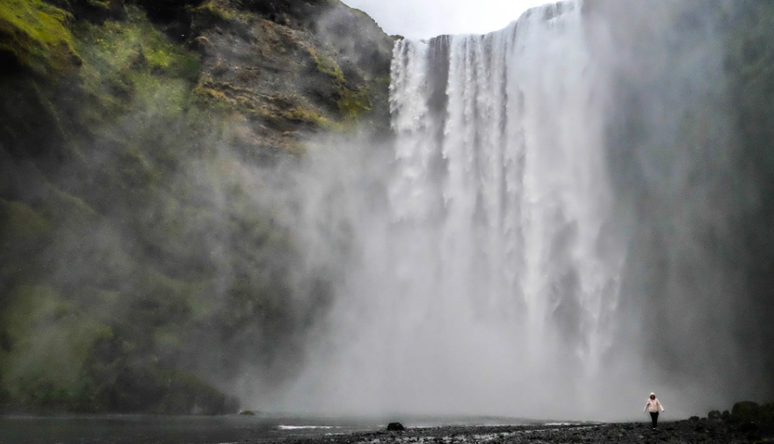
pixel 564 216
pixel 554 233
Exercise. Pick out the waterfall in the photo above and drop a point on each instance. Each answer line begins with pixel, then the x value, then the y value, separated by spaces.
pixel 486 275
pixel 501 192
pixel 500 178
pixel 554 231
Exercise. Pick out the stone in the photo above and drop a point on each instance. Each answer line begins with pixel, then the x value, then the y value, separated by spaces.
pixel 395 427
pixel 746 411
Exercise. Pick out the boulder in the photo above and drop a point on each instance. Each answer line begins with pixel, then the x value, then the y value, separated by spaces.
pixel 713 415
pixel 746 411
pixel 395 427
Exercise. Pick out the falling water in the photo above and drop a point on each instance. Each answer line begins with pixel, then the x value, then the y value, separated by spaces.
pixel 501 197
pixel 535 241
pixel 484 283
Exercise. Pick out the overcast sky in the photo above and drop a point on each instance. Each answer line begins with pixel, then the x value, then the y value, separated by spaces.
pixel 429 18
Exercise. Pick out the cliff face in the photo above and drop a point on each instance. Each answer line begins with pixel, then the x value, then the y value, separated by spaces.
pixel 138 269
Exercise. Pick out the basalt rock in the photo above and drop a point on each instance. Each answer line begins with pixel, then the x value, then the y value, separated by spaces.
pixel 395 427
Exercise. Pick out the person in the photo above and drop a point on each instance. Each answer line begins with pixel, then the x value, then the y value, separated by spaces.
pixel 653 405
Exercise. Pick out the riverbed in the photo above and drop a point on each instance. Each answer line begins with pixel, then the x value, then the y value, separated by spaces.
pixel 123 429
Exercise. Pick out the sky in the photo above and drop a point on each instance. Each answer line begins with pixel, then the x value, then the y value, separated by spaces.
pixel 419 19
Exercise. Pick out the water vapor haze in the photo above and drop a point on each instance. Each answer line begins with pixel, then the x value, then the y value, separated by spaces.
pixel 555 233
pixel 566 219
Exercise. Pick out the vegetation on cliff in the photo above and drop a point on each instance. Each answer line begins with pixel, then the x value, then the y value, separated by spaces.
pixel 138 268
pixel 36 35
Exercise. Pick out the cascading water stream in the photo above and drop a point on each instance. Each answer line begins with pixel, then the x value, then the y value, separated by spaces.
pixel 559 227
pixel 485 275
pixel 500 181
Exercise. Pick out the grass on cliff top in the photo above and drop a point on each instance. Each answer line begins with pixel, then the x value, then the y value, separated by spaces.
pixel 37 34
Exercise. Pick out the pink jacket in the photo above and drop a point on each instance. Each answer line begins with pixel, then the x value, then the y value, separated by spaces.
pixel 653 405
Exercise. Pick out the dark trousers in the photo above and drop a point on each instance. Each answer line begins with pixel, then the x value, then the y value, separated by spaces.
pixel 654 419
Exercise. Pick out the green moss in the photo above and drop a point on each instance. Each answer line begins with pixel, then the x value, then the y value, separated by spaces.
pixel 309 116
pixel 352 104
pixel 51 341
pixel 129 60
pixel 37 34
pixel 328 65
pixel 214 10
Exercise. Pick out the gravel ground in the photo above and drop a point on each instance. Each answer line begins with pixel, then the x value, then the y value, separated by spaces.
pixel 703 431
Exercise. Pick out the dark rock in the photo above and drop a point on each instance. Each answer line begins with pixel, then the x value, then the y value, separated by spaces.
pixel 746 411
pixel 694 418
pixel 395 427
pixel 713 415
pixel 726 415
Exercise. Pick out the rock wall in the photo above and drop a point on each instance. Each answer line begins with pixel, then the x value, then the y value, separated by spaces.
pixel 139 271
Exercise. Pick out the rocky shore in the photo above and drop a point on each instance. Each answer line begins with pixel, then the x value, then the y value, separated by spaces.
pixel 240 429
pixel 687 431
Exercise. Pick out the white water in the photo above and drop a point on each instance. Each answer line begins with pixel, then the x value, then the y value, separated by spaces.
pixel 502 216
pixel 475 271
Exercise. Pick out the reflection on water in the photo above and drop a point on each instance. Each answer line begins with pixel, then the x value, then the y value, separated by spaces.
pixel 124 429
pixel 137 429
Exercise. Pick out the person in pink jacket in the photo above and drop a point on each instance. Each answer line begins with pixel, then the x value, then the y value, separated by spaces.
pixel 653 405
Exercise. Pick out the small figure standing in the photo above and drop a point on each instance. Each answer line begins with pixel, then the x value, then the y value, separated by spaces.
pixel 653 405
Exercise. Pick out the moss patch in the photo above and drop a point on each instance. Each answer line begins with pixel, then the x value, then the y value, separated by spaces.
pixel 50 340
pixel 327 65
pixel 309 116
pixel 132 60
pixel 352 104
pixel 37 35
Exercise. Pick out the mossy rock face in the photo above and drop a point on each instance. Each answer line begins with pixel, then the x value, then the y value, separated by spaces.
pixel 24 236
pixel 141 390
pixel 135 256
pixel 47 347
pixel 35 35
pixel 95 11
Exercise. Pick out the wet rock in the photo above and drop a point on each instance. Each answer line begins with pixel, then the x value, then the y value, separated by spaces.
pixel 746 411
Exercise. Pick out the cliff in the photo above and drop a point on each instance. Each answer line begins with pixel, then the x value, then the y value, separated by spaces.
pixel 138 272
